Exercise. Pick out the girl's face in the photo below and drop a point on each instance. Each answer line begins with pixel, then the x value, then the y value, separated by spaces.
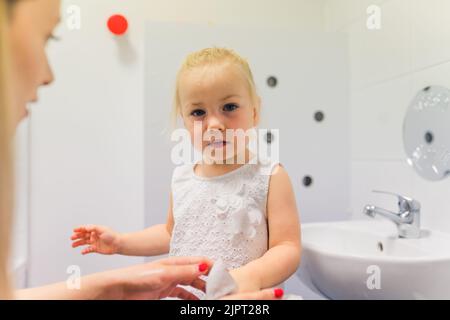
pixel 218 97
pixel 31 26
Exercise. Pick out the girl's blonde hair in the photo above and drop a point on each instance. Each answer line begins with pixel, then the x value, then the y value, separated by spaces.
pixel 210 56
pixel 6 166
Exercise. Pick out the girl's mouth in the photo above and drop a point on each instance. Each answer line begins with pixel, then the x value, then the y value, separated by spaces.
pixel 217 144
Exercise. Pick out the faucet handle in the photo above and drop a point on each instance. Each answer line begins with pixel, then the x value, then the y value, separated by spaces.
pixel 405 203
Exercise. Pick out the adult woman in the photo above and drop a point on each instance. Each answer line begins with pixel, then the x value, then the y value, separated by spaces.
pixel 25 28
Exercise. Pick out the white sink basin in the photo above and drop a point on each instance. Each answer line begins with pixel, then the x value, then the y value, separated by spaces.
pixel 367 260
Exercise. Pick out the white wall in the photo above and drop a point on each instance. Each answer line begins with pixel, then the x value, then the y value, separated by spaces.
pixel 87 148
pixel 388 68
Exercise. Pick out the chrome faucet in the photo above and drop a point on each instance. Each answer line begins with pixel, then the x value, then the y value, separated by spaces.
pixel 407 219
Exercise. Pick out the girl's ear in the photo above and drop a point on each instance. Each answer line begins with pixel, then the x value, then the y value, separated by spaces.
pixel 257 112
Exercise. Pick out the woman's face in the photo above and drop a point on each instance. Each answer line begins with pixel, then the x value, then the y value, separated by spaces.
pixel 31 26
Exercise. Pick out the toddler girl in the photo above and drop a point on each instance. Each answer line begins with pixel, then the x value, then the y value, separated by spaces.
pixel 231 206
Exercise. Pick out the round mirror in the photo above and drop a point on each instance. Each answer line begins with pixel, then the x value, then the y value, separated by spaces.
pixel 426 133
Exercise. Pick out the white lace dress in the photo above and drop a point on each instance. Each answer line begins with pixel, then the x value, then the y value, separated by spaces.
pixel 221 217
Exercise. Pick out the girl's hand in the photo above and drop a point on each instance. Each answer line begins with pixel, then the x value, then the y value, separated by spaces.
pixel 157 280
pixel 98 239
pixel 246 282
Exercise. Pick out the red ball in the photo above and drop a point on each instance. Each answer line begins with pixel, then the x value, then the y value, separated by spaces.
pixel 118 24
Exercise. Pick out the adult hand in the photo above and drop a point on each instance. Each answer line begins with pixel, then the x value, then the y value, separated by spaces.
pixel 154 280
pixel 266 294
pixel 157 280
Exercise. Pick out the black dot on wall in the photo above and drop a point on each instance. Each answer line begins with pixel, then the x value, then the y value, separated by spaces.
pixel 426 89
pixel 319 116
pixel 429 137
pixel 307 181
pixel 272 81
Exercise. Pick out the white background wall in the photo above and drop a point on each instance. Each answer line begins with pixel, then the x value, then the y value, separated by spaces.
pixel 388 68
pixel 87 147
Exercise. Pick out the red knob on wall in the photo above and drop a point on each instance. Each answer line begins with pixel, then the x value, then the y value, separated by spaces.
pixel 118 24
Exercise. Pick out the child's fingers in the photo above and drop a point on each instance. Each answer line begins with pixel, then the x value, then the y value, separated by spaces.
pixel 79 243
pixel 92 237
pixel 87 228
pixel 76 236
pixel 90 249
pixel 93 228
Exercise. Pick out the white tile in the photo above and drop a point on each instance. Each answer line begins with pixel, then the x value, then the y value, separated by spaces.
pixel 437 75
pixel 430 32
pixel 378 55
pixel 434 197
pixel 377 115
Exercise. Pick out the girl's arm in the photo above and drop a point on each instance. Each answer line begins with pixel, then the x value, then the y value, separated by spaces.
pixel 283 257
pixel 153 241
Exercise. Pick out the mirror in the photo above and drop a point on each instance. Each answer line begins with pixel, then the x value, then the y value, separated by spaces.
pixel 426 133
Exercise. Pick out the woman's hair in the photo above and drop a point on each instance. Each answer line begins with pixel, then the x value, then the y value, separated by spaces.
pixel 6 165
pixel 211 56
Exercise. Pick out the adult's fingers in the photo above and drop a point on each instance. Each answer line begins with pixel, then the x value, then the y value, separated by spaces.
pixel 198 284
pixel 266 294
pixel 184 275
pixel 185 261
pixel 182 293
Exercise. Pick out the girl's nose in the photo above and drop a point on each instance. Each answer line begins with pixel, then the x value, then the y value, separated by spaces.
pixel 213 123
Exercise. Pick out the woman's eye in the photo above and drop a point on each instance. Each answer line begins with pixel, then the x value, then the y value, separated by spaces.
pixel 53 37
pixel 197 113
pixel 230 107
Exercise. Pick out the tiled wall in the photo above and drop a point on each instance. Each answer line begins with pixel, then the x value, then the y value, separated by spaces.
pixel 388 67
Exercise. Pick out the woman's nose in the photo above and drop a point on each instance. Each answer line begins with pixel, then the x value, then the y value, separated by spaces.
pixel 49 77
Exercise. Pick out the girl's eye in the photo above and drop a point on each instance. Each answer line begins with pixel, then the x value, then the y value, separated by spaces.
pixel 230 107
pixel 197 113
